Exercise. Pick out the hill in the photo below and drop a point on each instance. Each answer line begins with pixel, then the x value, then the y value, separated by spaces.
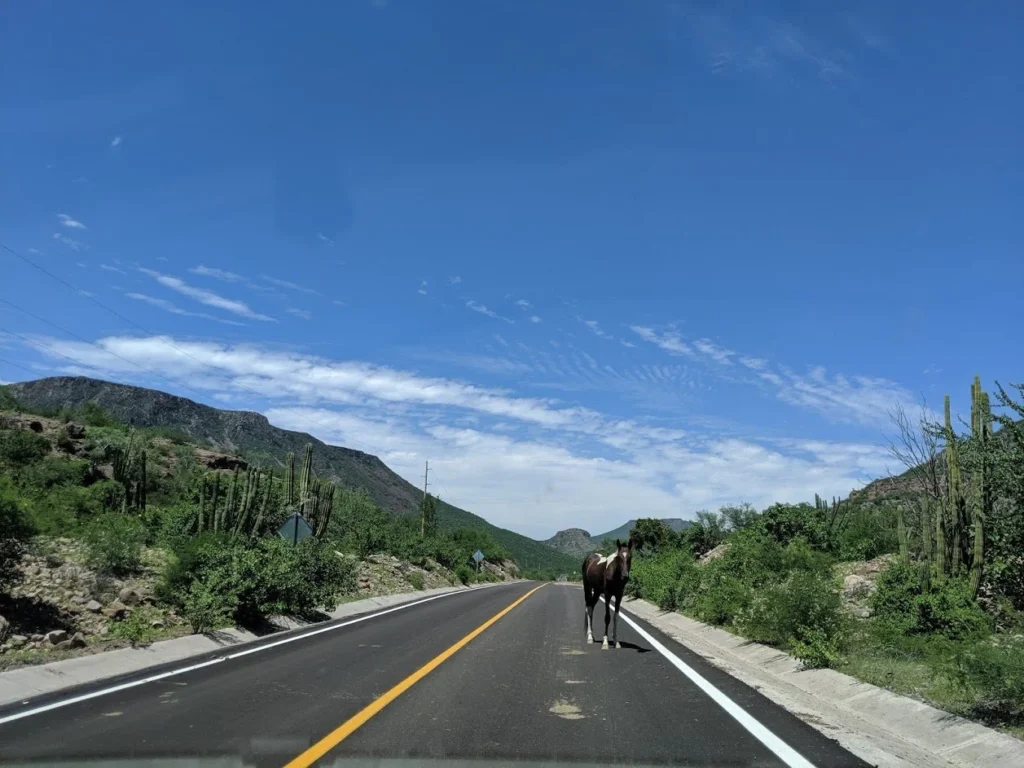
pixel 252 435
pixel 573 541
pixel 622 532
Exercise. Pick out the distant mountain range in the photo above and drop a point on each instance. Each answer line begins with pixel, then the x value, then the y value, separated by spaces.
pixel 579 543
pixel 253 436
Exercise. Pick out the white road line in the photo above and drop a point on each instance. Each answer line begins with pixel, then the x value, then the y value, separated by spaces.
pixel 781 749
pixel 218 660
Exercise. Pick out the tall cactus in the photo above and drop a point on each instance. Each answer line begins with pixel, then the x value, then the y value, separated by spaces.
pixel 955 501
pixel 289 495
pixel 926 545
pixel 901 533
pixel 307 479
pixel 981 428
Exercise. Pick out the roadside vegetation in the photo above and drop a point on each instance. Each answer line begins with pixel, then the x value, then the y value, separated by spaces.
pixel 109 533
pixel 918 588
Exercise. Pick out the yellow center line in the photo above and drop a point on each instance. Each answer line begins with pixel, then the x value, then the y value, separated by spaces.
pixel 346 729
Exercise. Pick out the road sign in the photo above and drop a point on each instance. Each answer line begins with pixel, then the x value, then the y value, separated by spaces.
pixel 295 529
pixel 478 555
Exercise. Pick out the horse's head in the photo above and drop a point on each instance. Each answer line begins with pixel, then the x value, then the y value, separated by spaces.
pixel 624 556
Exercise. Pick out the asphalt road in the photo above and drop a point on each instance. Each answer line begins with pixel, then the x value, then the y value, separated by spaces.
pixel 526 688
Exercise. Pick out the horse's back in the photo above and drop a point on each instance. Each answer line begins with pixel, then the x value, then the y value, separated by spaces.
pixel 588 565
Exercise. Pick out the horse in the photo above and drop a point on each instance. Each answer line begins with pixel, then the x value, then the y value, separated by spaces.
pixel 606 577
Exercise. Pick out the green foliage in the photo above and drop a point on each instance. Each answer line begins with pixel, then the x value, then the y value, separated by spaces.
pixel 206 607
pixel 137 627
pixel 785 522
pixel 428 514
pixel 255 579
pixel 19 448
pixel 14 533
pixel 948 608
pixel 657 577
pixel 114 543
pixel 7 401
pixel 993 674
pixel 465 574
pixel 870 531
pixel 95 416
pixel 415 578
pixel 738 516
pixel 650 534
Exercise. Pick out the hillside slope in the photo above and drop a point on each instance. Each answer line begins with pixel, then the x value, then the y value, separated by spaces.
pixel 573 541
pixel 622 532
pixel 254 436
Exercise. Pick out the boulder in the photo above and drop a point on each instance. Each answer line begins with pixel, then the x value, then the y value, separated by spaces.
pixel 93 606
pixel 64 645
pixel 79 600
pixel 157 624
pixel 78 640
pixel 863 613
pixel 5 627
pixel 714 554
pixel 56 636
pixel 17 641
pixel 857 588
pixel 75 431
pixel 129 596
pixel 117 610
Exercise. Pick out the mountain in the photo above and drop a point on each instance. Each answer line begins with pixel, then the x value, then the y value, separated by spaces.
pixel 252 435
pixel 622 532
pixel 573 541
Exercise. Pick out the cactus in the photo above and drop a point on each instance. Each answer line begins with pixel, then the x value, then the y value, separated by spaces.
pixel 955 501
pixel 202 504
pixel 264 507
pixel 307 479
pixel 289 496
pixel 926 545
pixel 981 430
pixel 901 533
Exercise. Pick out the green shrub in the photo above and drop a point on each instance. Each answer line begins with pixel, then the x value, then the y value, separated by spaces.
pixel 717 598
pixel 7 401
pixel 19 448
pixel 262 578
pixel 657 577
pixel 464 574
pixel 114 543
pixel 992 671
pixel 785 522
pixel 14 534
pixel 95 416
pixel 54 471
pixel 948 608
pixel 137 627
pixel 206 607
pixel 869 532
pixel 415 578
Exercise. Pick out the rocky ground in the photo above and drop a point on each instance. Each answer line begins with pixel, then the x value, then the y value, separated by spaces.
pixel 860 581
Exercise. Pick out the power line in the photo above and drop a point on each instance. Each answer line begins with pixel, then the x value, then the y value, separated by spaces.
pixel 15 365
pixel 159 338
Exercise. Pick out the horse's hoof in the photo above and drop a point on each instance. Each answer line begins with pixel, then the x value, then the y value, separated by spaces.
pixel 618 644
pixel 604 646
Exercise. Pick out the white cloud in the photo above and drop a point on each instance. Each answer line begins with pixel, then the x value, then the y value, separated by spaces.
pixel 324 238
pixel 33 250
pixel 115 142
pixel 524 305
pixel 218 274
pixel 534 319
pixel 484 310
pixel 208 298
pixel 74 245
pixel 422 290
pixel 716 353
pixel 534 481
pixel 69 222
pixel 669 341
pixel 338 303
pixel 305 314
pixel 174 309
pixel 109 268
pixel 625 343
pixel 161 258
pixel 455 280
pixel 595 328
pixel 289 285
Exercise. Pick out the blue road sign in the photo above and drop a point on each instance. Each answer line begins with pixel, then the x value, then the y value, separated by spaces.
pixel 295 529
pixel 478 555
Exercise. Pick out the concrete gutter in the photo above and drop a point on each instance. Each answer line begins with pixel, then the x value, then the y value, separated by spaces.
pixel 28 682
pixel 877 725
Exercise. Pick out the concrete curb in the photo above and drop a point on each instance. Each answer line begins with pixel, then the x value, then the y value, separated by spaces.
pixel 878 726
pixel 28 682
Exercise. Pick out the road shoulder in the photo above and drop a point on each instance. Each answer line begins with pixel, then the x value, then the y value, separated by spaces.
pixel 18 685
pixel 878 726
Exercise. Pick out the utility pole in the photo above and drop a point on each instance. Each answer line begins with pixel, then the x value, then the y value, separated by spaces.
pixel 423 504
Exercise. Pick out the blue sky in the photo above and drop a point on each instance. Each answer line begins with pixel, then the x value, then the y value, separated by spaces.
pixel 592 260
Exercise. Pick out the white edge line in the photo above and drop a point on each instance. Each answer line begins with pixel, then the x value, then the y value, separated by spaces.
pixel 781 749
pixel 218 660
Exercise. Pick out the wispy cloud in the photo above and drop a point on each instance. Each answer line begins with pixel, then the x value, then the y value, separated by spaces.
pixel 217 274
pixel 454 280
pixel 595 328
pixel 484 310
pixel 712 350
pixel 338 303
pixel 324 238
pixel 305 314
pixel 70 242
pixel 534 319
pixel 33 250
pixel 115 142
pixel 670 341
pixel 625 343
pixel 289 285
pixel 109 268
pixel 69 222
pixel 174 309
pixel 523 304
pixel 422 290
pixel 208 298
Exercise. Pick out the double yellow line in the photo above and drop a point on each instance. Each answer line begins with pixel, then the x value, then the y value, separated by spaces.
pixel 346 729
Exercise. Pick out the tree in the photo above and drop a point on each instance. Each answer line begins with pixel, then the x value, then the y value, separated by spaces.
pixel 652 535
pixel 738 517
pixel 14 532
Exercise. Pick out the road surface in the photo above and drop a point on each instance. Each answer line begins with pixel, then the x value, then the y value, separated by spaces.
pixel 493 674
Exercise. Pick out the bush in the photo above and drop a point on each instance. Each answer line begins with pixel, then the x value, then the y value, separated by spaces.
pixel 415 578
pixel 256 579
pixel 785 522
pixel 993 673
pixel 948 608
pixel 14 533
pixel 205 607
pixel 464 574
pixel 869 532
pixel 656 578
pixel 95 416
pixel 114 543
pixel 137 627
pixel 19 448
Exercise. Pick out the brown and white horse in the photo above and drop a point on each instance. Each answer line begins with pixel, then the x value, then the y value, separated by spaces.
pixel 606 577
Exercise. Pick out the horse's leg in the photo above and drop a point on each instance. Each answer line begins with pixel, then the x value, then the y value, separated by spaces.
pixel 607 618
pixel 615 621
pixel 588 613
